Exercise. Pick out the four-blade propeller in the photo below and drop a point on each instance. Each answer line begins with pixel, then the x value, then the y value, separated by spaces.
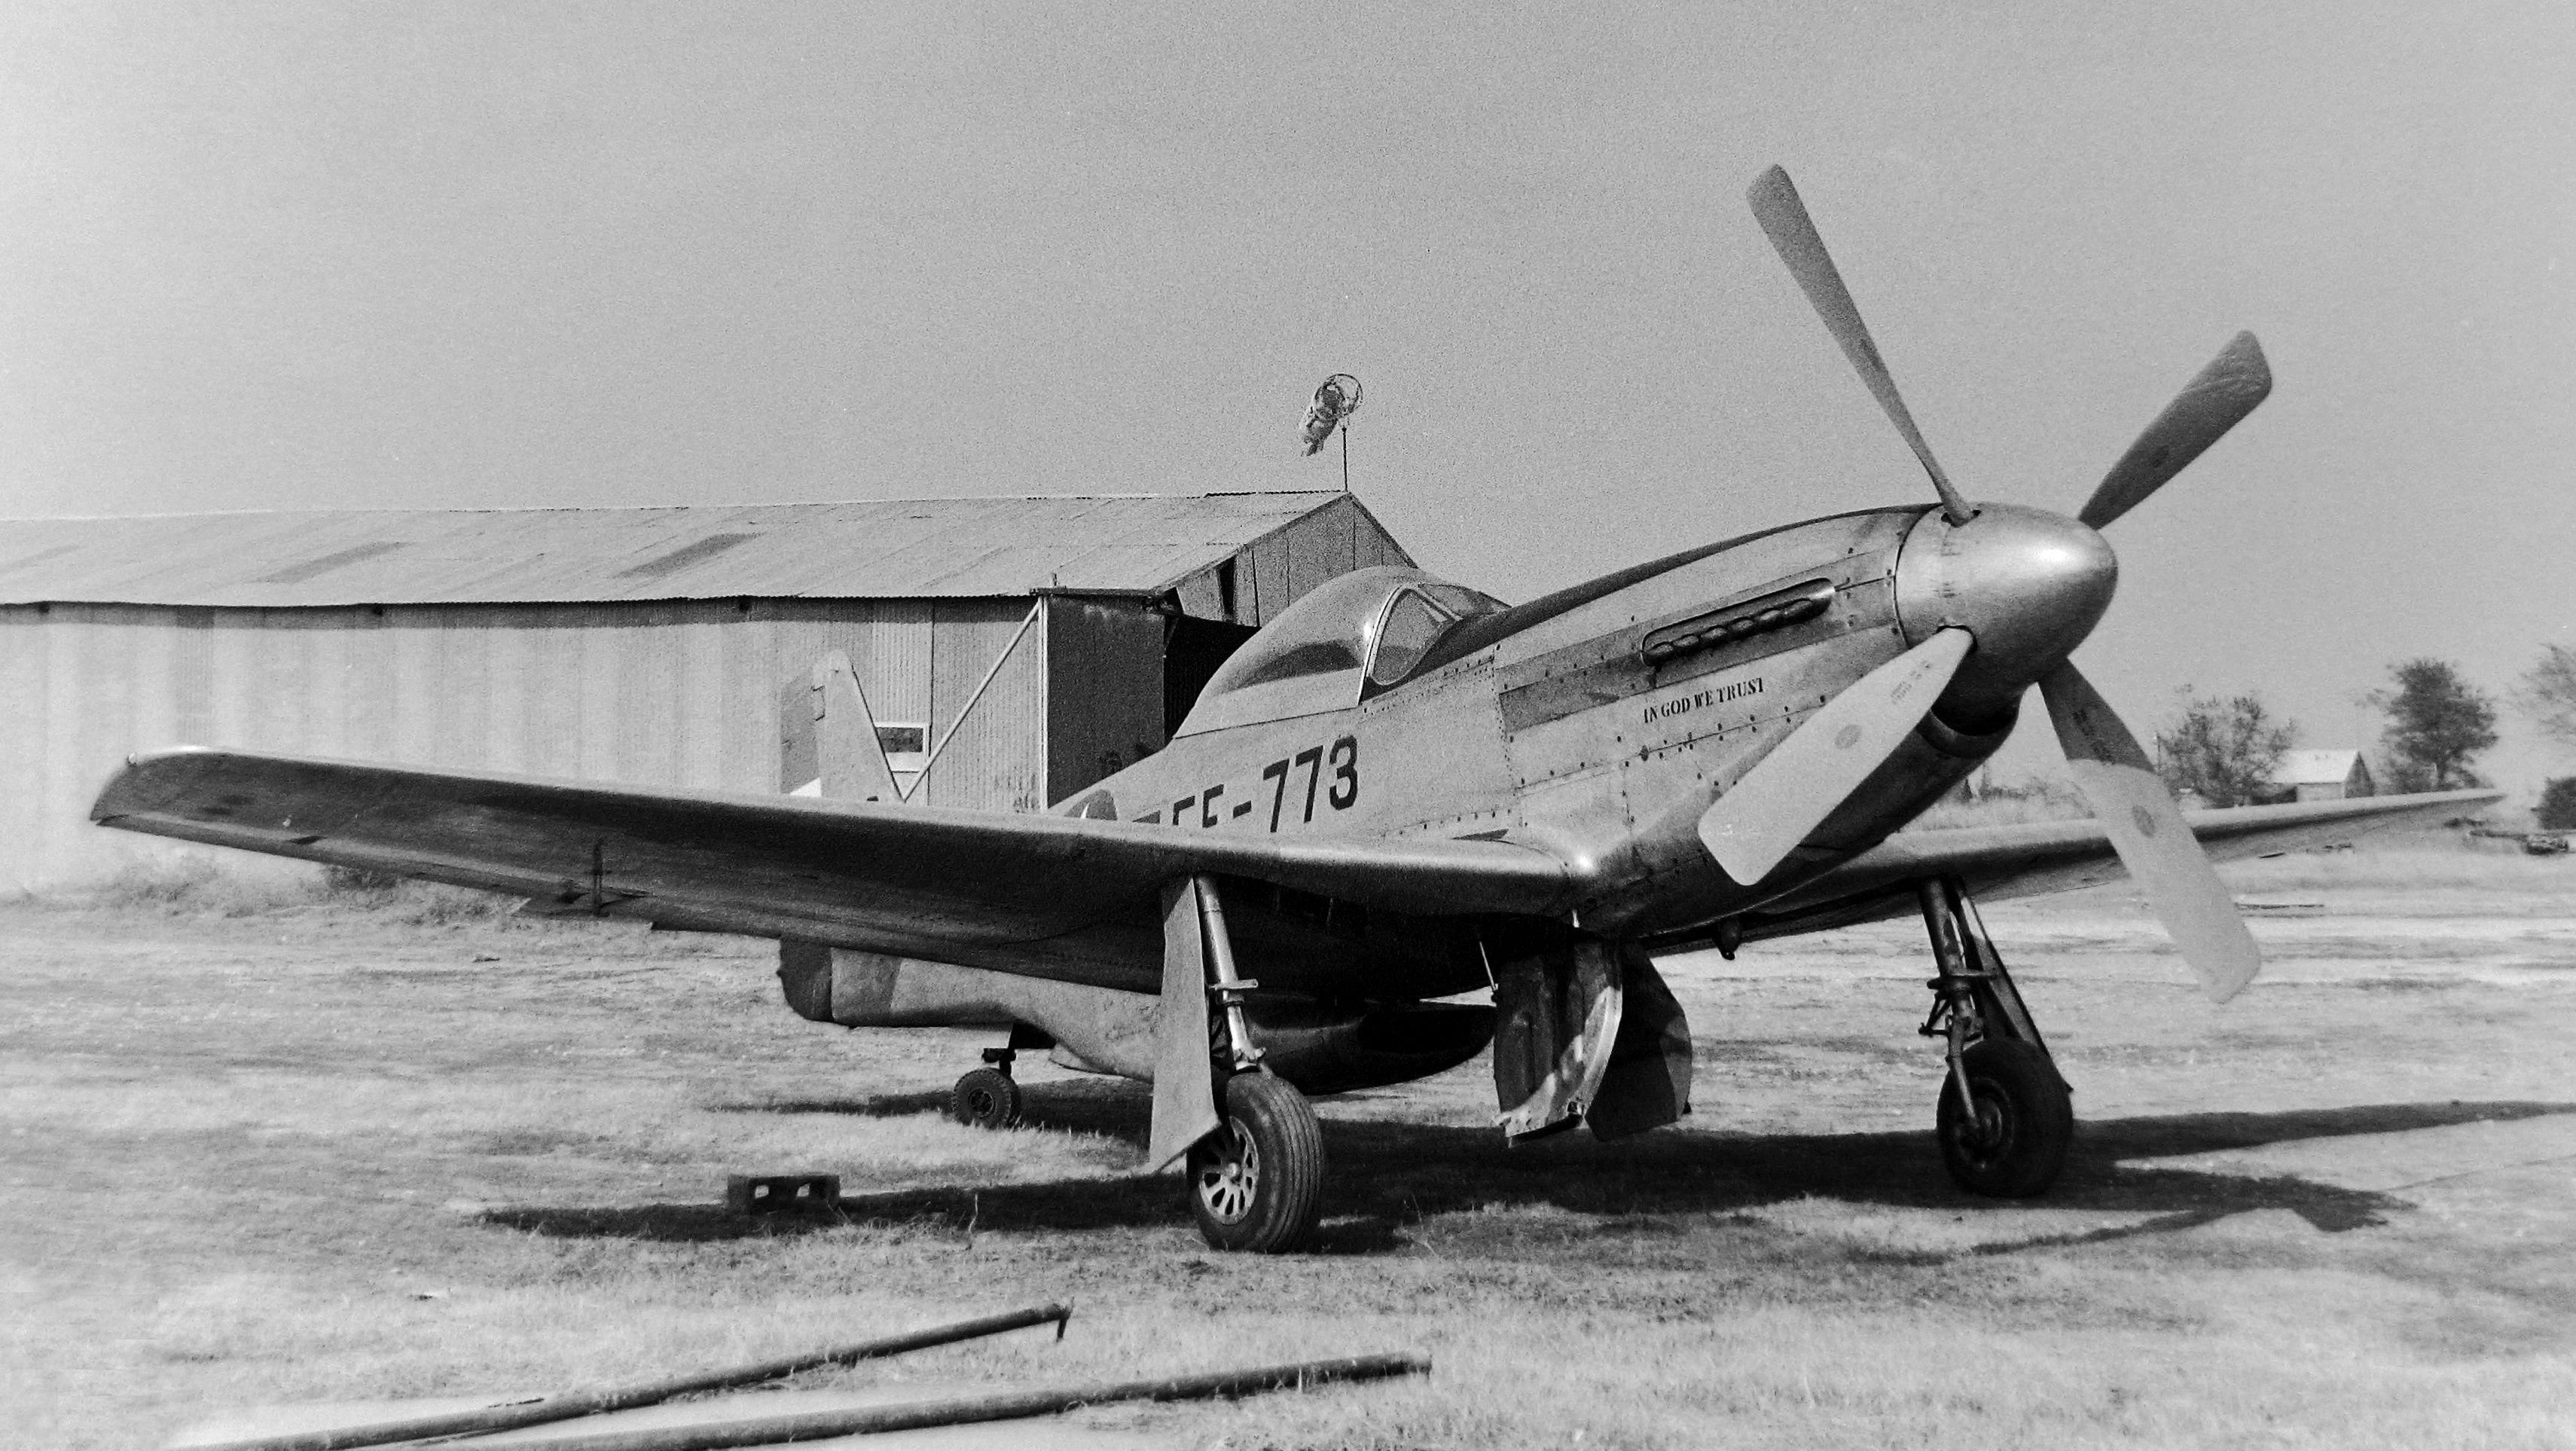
pixel 1791 791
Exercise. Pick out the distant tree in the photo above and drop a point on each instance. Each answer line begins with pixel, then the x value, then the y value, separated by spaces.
pixel 2225 750
pixel 2558 805
pixel 2437 724
pixel 2548 694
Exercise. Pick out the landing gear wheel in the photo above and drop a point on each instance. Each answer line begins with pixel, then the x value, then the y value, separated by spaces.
pixel 985 1099
pixel 1257 1183
pixel 2024 1122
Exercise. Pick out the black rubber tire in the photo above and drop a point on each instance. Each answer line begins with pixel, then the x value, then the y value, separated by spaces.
pixel 985 1099
pixel 1257 1183
pixel 2026 1122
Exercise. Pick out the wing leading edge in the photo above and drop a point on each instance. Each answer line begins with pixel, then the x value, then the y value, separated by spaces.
pixel 914 880
pixel 2059 856
pixel 988 888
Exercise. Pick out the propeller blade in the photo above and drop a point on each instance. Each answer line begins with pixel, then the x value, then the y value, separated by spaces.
pixel 1789 792
pixel 2209 405
pixel 2147 830
pixel 1793 234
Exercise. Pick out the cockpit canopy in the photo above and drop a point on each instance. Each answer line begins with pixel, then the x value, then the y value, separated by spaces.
pixel 1369 628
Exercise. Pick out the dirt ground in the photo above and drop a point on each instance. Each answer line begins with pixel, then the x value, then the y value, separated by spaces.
pixel 337 1153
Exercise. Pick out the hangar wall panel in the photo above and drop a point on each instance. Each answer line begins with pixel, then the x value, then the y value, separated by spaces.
pixel 661 694
pixel 893 663
pixel 995 753
pixel 1276 570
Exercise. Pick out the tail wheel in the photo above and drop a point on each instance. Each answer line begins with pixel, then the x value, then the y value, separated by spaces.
pixel 985 1099
pixel 2016 1142
pixel 1257 1183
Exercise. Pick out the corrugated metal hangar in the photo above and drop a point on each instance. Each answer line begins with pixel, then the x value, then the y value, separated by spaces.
pixel 1021 648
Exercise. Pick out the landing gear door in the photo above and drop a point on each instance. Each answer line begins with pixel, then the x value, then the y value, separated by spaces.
pixel 1559 1011
pixel 1184 1078
pixel 1649 1082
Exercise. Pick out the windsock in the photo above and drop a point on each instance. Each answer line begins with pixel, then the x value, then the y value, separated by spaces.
pixel 1335 400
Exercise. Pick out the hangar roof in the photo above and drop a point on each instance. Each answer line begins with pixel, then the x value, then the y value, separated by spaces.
pixel 892 549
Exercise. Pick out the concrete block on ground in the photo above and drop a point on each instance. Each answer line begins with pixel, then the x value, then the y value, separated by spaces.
pixel 770 1193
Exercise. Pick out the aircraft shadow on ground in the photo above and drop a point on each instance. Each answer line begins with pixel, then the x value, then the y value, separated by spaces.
pixel 1387 1175
pixel 1111 1107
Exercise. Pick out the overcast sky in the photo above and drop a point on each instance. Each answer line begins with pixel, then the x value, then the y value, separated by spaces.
pixel 299 256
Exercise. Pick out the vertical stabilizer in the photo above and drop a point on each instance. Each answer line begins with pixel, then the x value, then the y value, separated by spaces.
pixel 828 742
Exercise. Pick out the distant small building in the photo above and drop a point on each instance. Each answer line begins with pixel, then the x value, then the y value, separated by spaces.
pixel 2321 775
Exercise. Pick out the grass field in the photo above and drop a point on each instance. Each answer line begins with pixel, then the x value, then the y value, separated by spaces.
pixel 274 1146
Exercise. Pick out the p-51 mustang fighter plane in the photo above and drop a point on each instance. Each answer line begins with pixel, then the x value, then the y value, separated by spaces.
pixel 1401 791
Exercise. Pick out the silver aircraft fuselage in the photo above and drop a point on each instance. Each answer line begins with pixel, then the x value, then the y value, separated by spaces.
pixel 1598 723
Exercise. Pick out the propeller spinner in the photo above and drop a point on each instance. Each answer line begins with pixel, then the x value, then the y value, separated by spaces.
pixel 2025 586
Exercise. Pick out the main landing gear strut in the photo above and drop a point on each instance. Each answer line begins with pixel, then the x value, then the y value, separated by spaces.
pixel 2005 1118
pixel 1257 1183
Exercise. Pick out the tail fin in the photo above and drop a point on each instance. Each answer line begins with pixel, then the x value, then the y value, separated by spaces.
pixel 827 737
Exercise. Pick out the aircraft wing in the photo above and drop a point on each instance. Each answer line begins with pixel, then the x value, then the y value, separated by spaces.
pixel 906 879
pixel 2058 856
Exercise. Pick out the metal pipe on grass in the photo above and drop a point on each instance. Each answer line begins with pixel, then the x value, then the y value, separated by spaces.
pixel 591 1403
pixel 1004 1406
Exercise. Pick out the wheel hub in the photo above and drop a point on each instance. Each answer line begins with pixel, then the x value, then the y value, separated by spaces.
pixel 1988 1128
pixel 1229 1186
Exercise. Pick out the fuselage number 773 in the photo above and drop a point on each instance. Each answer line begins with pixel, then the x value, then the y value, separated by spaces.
pixel 1334 768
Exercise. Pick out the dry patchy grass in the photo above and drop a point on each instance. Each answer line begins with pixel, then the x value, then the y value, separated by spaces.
pixel 242 1145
